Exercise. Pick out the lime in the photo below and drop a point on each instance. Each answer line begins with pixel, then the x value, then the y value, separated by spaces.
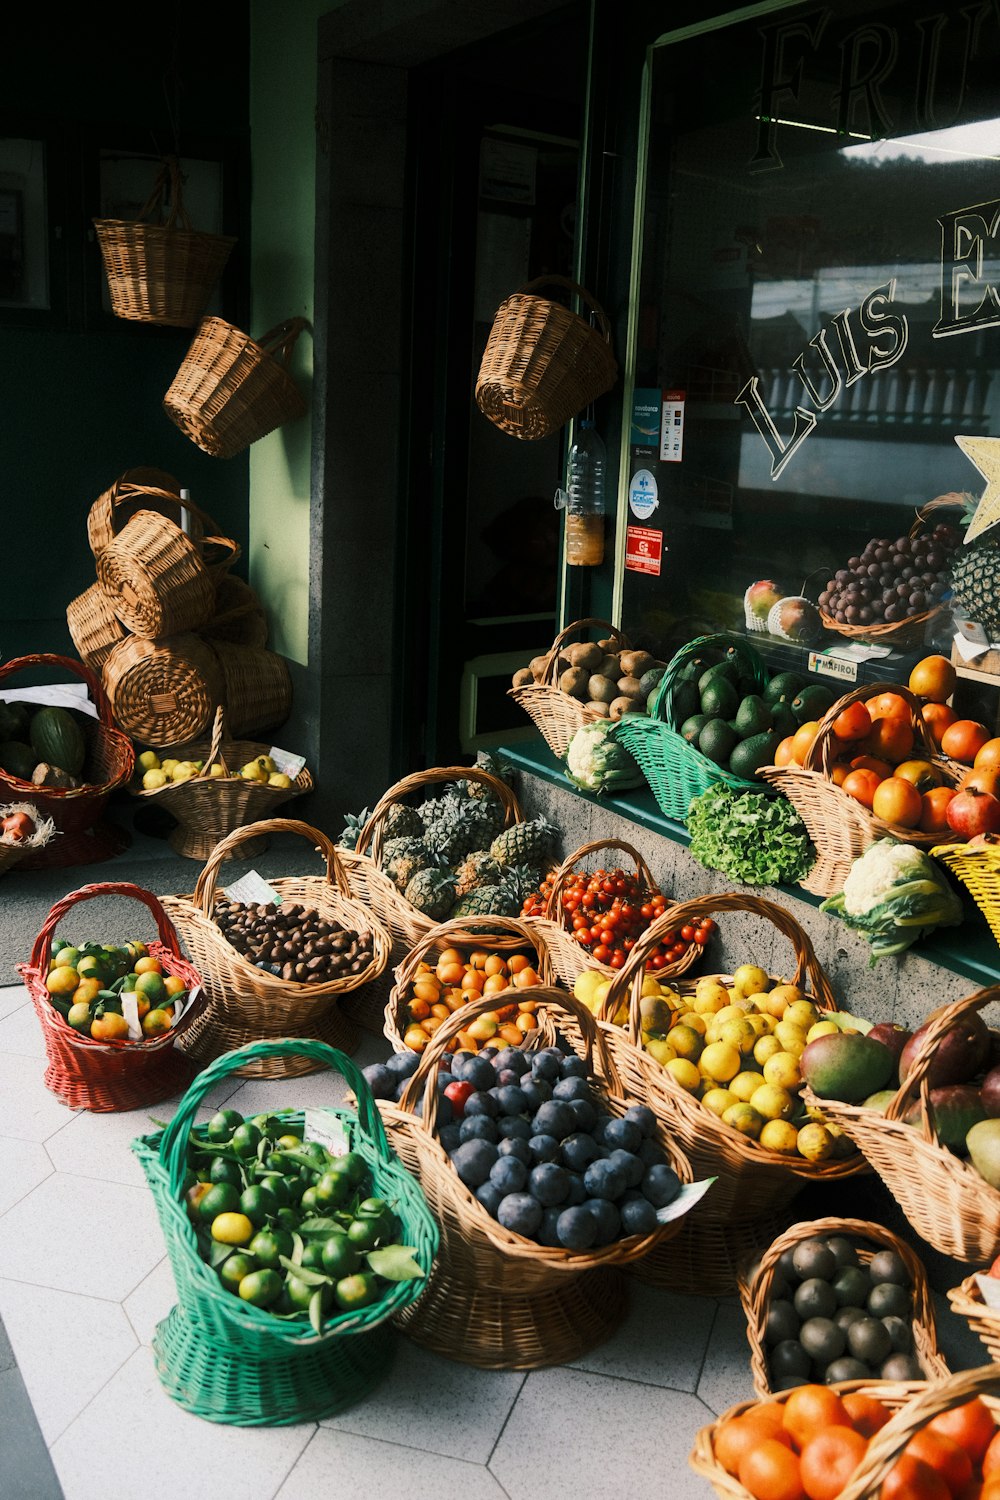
pixel 269 1125
pixel 333 1188
pixel 312 1256
pixel 231 1228
pixel 153 987
pixel 289 1143
pixel 222 1124
pixel 223 1169
pixel 359 1290
pixel 234 1268
pixel 300 1293
pixel 355 1166
pixel 278 1187
pixel 258 1203
pixel 340 1257
pixel 246 1139
pixel 221 1198
pixel 287 1217
pixel 261 1288
pixel 309 1202
pixel 269 1245
pixel 364 1234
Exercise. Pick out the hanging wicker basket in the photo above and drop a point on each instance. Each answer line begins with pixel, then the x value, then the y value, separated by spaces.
pixel 230 391
pixel 556 715
pixel 543 364
pixel 161 272
pixel 158 580
pixel 164 692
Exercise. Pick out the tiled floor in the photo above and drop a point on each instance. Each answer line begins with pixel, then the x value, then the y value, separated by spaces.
pixel 84 1281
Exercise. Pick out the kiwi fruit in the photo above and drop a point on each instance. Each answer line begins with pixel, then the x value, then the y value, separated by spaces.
pixel 536 667
pixel 575 682
pixel 630 687
pixel 635 663
pixel 586 654
pixel 619 707
pixel 601 709
pixel 610 667
pixel 602 689
pixel 523 677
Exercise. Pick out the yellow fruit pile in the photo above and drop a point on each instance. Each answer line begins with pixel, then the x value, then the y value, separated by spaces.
pixel 156 772
pixel 459 978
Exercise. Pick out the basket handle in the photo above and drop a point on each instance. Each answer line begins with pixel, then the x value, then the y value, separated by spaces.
pixel 225 545
pixel 952 501
pixel 42 950
pixel 174 1142
pixel 917 1083
pixel 820 756
pixel 47 659
pixel 552 656
pixel 663 704
pixel 595 307
pixel 279 341
pixel 126 492
pixel 371 834
pixel 553 911
pixel 169 175
pixel 462 930
pixel 204 891
pixel 424 1080
pixel 214 751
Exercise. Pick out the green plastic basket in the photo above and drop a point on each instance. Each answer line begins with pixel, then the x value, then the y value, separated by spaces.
pixel 676 771
pixel 228 1361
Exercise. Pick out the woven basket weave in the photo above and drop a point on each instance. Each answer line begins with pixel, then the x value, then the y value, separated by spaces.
pixel 755 1290
pixel 245 1003
pixel 239 616
pixel 498 1300
pixel 138 489
pixel 164 692
pixel 161 272
pixel 543 364
pixel 840 827
pixel 979 871
pixel 556 715
pixel 158 581
pixel 230 391
pixel 944 1197
pixel 94 628
pixel 86 1073
pixel 228 1361
pixel 257 686
pixel 966 1301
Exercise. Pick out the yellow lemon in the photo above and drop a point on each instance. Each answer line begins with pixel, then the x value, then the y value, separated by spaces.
pixel 586 983
pixel 750 979
pixel 279 778
pixel 711 998
pixel 821 1028
pixel 791 1037
pixel 739 1034
pixel 773 1103
pixel 718 1100
pixel 720 1062
pixel 783 1071
pixel 215 770
pixel 765 1047
pixel 745 1119
pixel 660 1051
pixel 650 986
pixel 778 1135
pixel 149 760
pixel 843 1146
pixel 169 765
pixel 153 779
pixel 684 1073
pixel 744 1085
pixel 600 993
pixel 815 1143
pixel 758 1001
pixel 692 1019
pixel 686 1042
pixel 802 1013
pixel 781 997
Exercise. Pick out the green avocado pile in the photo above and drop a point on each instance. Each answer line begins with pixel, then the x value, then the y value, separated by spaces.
pixel 727 718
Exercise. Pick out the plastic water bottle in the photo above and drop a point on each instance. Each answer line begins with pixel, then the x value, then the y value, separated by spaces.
pixel 584 498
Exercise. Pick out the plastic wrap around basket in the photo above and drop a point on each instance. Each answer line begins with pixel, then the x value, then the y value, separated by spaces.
pixel 239 615
pixel 543 364
pixel 158 581
pixel 257 687
pixel 94 627
pixel 230 391
pixel 164 692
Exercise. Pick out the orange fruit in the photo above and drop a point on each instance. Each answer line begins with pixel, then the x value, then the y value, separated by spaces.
pixel 783 754
pixel 890 739
pixel 898 801
pixel 853 722
pixel 888 706
pixel 989 755
pixel 802 741
pixel 911 1479
pixel 174 985
pixel 737 1436
pixel 829 1459
pixel 933 819
pixel 933 678
pixel 866 1414
pixel 937 717
pixel 810 1409
pixel 148 965
pixel 770 1471
pixel 971 1426
pixel 964 739
pixel 155 1022
pixel 941 1453
pixel 110 1027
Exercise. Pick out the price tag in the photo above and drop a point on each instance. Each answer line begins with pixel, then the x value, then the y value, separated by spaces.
pixel 130 1010
pixel 327 1128
pixel 990 1288
pixel 253 890
pixel 832 666
pixel 286 762
pixel 690 1194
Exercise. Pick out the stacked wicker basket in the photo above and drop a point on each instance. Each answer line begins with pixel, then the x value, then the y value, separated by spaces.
pixel 171 630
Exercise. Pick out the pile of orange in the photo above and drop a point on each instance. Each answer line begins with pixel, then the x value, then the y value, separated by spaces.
pixel 876 758
pixel 808 1446
pixel 458 979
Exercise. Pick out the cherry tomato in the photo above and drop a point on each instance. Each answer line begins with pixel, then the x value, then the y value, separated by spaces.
pixel 687 932
pixel 617 959
pixel 601 953
pixel 657 961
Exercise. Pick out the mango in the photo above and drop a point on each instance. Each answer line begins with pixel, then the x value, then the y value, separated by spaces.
pixel 846 1067
pixel 983 1145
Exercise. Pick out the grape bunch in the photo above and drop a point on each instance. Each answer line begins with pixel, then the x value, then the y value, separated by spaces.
pixel 892 581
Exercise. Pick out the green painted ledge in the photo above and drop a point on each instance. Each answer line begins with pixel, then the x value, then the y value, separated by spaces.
pixel 970 950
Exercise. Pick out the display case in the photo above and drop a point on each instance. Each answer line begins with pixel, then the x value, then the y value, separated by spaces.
pixel 813 340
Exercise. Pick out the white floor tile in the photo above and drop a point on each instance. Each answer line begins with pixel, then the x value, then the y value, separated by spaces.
pixel 572 1434
pixel 12 997
pixel 28 1112
pixel 725 1378
pixel 336 1463
pixel 67 1346
pixel 152 1299
pixel 132 1440
pixel 100 1145
pixel 25 1165
pixel 435 1404
pixel 21 1032
pixel 662 1340
pixel 73 1231
pixel 256 1095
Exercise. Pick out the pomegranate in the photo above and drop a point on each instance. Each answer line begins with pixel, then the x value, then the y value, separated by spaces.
pixel 970 813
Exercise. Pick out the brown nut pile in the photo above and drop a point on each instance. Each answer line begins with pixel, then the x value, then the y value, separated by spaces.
pixel 293 942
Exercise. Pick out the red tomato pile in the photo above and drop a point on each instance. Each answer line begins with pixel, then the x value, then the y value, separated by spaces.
pixel 608 910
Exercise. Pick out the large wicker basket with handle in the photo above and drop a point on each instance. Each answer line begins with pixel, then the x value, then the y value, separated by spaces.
pixel 497 1299
pixel 138 489
pixel 756 1290
pixel 120 1074
pixel 230 391
pixel 94 628
pixel 555 714
pixel 164 692
pixel 839 825
pixel 543 364
pixel 248 1004
pixel 944 1197
pixel 158 580
pixel 967 1301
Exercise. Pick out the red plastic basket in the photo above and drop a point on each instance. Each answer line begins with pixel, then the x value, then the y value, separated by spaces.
pixel 112 1075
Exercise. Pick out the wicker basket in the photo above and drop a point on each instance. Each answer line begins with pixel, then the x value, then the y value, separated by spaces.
pixel 543 364
pixel 966 1301
pixel 979 871
pixel 239 617
pixel 944 1197
pixel 164 692
pixel 257 686
pixel 405 923
pixel 498 1300
pixel 209 808
pixel 569 957
pixel 755 1290
pixel 752 1181
pixel 94 628
pixel 500 934
pixel 76 811
pixel 142 489
pixel 913 1403
pixel 161 272
pixel 676 771
pixel 840 827
pixel 157 580
pixel 706 1258
pixel 230 391
pixel 12 851
pixel 228 1361
pixel 555 714
pixel 245 1003
pixel 905 634
pixel 112 1075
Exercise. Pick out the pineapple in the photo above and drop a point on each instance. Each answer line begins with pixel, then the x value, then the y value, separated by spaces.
pixel 431 891
pixel 461 825
pixel 520 882
pixel 525 844
pixel 496 766
pixel 402 822
pixel 975 578
pixel 404 858
pixel 487 901
pixel 352 829
pixel 477 869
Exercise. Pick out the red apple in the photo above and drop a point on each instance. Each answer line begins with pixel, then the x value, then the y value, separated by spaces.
pixel 17 827
pixel 458 1094
pixel 970 813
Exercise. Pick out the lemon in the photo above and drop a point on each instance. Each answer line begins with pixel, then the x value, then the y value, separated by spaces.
pixel 686 1042
pixel 720 1062
pixel 586 983
pixel 183 772
pixel 215 770
pixel 783 1071
pixel 684 1073
pixel 778 1135
pixel 710 996
pixel 791 1037
pixel 736 1011
pixel 650 986
pixel 815 1143
pixel 802 1013
pixel 773 1102
pixel 149 760
pixel 750 979
pixel 280 779
pixel 660 1051
pixel 745 1119
pixel 600 994
pixel 718 1100
pixel 821 1028
pixel 781 997
pixel 154 778
pixel 843 1146
pixel 759 1000
pixel 739 1034
pixel 765 1047
pixel 744 1085
pixel 692 1019
pixel 169 765
pixel 232 1229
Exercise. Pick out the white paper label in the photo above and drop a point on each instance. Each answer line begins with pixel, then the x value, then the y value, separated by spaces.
pixel 990 1288
pixel 130 1010
pixel 690 1194
pixel 59 695
pixel 286 762
pixel 253 890
pixel 323 1126
pixel 832 666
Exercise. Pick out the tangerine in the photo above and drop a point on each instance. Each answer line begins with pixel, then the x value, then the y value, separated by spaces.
pixel 971 1425
pixel 770 1471
pixel 888 706
pixel 829 1459
pixel 911 1479
pixel 937 717
pixel 810 1409
pixel 737 1436
pixel 964 739
pixel 943 1455
pixel 867 1415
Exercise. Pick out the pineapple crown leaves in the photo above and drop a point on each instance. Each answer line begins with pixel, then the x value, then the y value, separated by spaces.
pixel 352 829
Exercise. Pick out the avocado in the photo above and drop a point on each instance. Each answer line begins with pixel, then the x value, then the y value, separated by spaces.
pixel 685 700
pixel 650 680
pixel 846 1067
pixel 727 670
pixel 692 727
pixel 716 741
pixel 692 670
pixel 983 1145
pixel 783 687
pixel 750 754
pixel 752 717
pixel 783 721
pixel 812 703
pixel 718 699
pixel 17 759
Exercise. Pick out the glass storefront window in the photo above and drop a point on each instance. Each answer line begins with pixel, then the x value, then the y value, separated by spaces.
pixel 816 309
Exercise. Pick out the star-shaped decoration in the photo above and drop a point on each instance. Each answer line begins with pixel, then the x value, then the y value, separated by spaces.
pixel 984 452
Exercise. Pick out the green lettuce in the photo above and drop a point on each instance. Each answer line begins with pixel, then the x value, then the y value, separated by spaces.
pixel 753 838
